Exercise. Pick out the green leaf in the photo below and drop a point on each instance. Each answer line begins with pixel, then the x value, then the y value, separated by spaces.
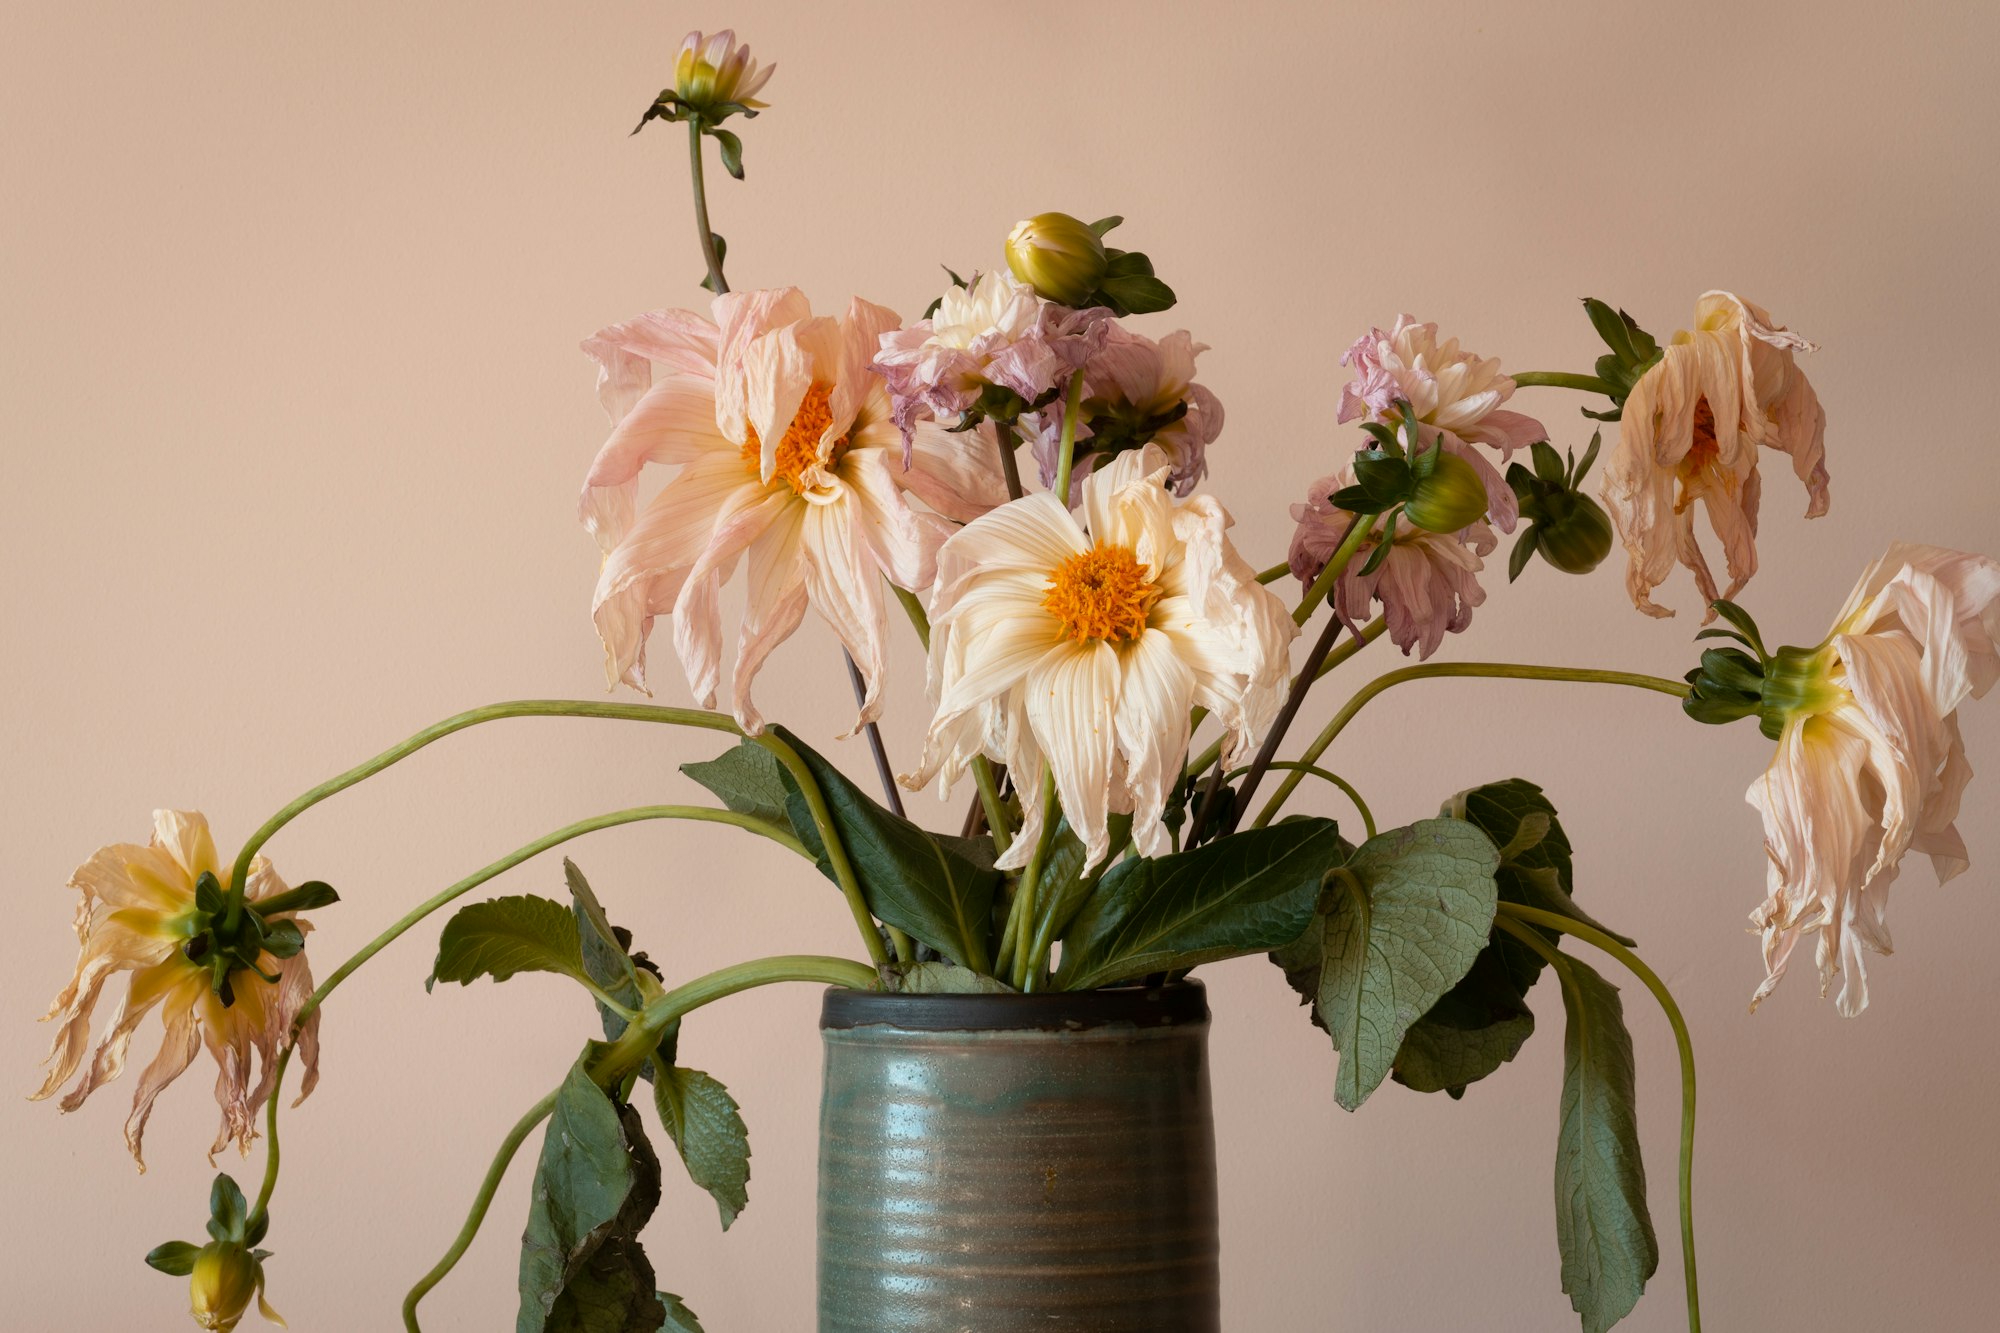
pixel 732 152
pixel 1103 225
pixel 1602 1227
pixel 1248 893
pixel 1612 327
pixel 1403 921
pixel 944 979
pixel 680 1319
pixel 1139 293
pixel 703 1120
pixel 307 897
pixel 598 1182
pixel 721 255
pixel 228 1210
pixel 747 779
pixel 1524 550
pixel 283 939
pixel 1548 463
pixel 604 955
pixel 1479 1025
pixel 1582 469
pixel 175 1258
pixel 503 936
pixel 936 888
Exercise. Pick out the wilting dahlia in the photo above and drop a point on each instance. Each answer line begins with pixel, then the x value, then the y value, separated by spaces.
pixel 1689 435
pixel 1136 392
pixel 788 463
pixel 138 913
pixel 1428 583
pixel 1454 393
pixel 1870 763
pixel 1079 647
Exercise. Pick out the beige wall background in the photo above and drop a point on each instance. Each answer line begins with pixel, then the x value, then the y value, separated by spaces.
pixel 294 418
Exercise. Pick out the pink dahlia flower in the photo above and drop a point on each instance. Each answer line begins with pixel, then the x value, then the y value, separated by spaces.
pixel 1136 392
pixel 788 463
pixel 1454 393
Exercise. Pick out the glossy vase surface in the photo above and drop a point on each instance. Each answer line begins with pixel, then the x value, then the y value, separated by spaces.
pixel 995 1163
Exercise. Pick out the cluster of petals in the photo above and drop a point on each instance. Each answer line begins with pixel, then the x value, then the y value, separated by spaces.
pixel 787 462
pixel 1136 392
pixel 1877 768
pixel 1689 437
pixel 995 332
pixel 133 917
pixel 717 69
pixel 1076 647
pixel 1455 396
pixel 1427 584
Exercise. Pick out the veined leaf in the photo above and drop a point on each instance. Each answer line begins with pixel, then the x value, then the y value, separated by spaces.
pixel 944 979
pixel 680 1319
pixel 705 1124
pixel 503 936
pixel 1478 1025
pixel 1247 893
pixel 608 961
pixel 1602 1227
pixel 747 779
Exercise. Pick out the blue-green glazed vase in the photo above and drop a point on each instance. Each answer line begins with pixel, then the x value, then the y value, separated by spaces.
pixel 998 1163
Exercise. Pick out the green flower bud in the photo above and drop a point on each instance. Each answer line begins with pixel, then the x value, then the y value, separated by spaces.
pixel 1449 498
pixel 1578 540
pixel 225 1277
pixel 1058 255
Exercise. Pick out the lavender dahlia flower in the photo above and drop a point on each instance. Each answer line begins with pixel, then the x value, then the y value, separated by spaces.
pixel 1136 392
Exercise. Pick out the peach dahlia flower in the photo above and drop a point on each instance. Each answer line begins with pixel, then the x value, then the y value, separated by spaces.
pixel 1454 393
pixel 788 463
pixel 1870 762
pixel 1689 435
pixel 1078 648
pixel 137 912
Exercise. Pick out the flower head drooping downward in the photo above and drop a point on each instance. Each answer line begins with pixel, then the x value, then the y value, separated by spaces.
pixel 1689 436
pixel 1870 762
pixel 144 910
pixel 1455 395
pixel 788 462
pixel 1080 647
pixel 1427 583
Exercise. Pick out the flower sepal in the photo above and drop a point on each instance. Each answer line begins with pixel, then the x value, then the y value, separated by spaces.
pixel 1065 260
pixel 224 949
pixel 1633 352
pixel 1569 529
pixel 224 1274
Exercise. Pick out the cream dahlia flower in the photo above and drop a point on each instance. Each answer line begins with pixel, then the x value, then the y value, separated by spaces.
pixel 1689 434
pixel 137 913
pixel 788 463
pixel 1428 584
pixel 1078 648
pixel 714 71
pixel 1454 393
pixel 1870 763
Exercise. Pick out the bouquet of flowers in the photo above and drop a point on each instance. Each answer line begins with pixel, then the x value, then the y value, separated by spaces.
pixel 1019 475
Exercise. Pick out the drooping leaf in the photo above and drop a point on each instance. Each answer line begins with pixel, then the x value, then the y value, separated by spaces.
pixel 1402 922
pixel 503 936
pixel 680 1319
pixel 582 1267
pixel 1248 893
pixel 944 979
pixel 747 779
pixel 705 1124
pixel 175 1258
pixel 1478 1025
pixel 924 883
pixel 1602 1226
pixel 608 961
pixel 732 152
pixel 228 1210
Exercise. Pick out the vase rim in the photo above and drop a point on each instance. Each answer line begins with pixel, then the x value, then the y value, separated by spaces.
pixel 1177 1004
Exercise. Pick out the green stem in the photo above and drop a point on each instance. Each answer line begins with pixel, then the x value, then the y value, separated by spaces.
pixel 1348 647
pixel 684 717
pixel 640 1040
pixel 488 1186
pixel 1274 573
pixel 1071 402
pixel 1430 670
pixel 1021 912
pixel 829 836
pixel 1357 532
pixel 1559 379
pixel 783 837
pixel 1685 1045
pixel 1367 816
pixel 716 282
pixel 989 799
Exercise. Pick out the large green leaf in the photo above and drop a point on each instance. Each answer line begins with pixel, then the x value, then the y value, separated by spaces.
pixel 932 886
pixel 503 936
pixel 1403 922
pixel 1478 1025
pixel 582 1267
pixel 748 779
pixel 1602 1227
pixel 1247 893
pixel 707 1127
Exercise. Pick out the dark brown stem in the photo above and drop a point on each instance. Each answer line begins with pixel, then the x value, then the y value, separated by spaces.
pixel 1272 738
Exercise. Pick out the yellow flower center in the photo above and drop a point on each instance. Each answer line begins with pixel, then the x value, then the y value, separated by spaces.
pixel 1103 593
pixel 799 450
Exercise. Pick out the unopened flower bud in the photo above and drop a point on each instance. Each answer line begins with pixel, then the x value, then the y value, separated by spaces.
pixel 1450 498
pixel 225 1277
pixel 1058 255
pixel 1577 541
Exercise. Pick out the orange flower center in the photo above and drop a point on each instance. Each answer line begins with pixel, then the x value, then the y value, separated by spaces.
pixel 1103 593
pixel 1700 463
pixel 799 450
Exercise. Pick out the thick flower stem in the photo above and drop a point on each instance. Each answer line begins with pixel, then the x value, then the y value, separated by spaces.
pixel 1066 458
pixel 683 717
pixel 716 282
pixel 410 918
pixel 829 836
pixel 1431 670
pixel 1559 379
pixel 1015 942
pixel 663 1011
pixel 1357 532
pixel 1513 913
pixel 1010 468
